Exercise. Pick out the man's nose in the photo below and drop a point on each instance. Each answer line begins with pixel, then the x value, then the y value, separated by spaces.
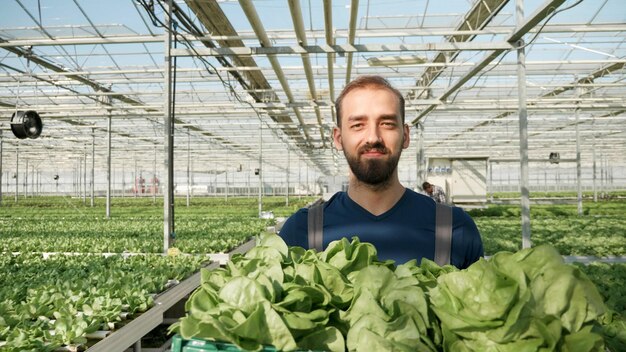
pixel 373 134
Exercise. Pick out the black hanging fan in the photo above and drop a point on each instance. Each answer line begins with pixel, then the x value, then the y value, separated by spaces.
pixel 26 124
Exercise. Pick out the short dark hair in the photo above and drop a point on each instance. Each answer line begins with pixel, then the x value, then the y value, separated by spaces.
pixel 426 185
pixel 365 82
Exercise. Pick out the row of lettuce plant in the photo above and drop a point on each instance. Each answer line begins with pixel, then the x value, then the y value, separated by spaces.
pixel 59 301
pixel 600 231
pixel 210 225
pixel 125 235
pixel 63 299
pixel 587 235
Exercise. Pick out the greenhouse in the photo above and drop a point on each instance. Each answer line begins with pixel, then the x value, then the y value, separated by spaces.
pixel 152 150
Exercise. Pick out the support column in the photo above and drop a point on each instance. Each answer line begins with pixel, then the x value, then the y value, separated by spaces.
pixel 490 164
pixel 25 185
pixel 108 200
pixel 1 172
pixel 523 129
pixel 154 178
pixel 490 184
pixel 93 165
pixel 85 175
pixel 260 201
pixel 188 166
pixel 17 171
pixel 420 156
pixel 168 189
pixel 602 169
pixel 287 191
pixel 123 178
pixel 227 185
pixel 593 149
pixel 578 167
pixel 135 177
pixel 76 178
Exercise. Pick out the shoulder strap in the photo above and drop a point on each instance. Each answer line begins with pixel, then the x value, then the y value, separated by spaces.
pixel 443 234
pixel 316 226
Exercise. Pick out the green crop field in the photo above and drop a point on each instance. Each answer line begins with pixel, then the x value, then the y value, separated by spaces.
pixel 600 231
pixel 63 224
pixel 59 300
pixel 105 291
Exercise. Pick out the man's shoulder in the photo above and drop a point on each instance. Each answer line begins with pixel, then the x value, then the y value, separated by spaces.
pixel 459 215
pixel 302 213
pixel 336 200
pixel 413 196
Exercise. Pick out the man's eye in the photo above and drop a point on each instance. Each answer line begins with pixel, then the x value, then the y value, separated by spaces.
pixel 357 125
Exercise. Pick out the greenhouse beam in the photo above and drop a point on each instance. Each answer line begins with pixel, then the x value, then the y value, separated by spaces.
pixel 314 33
pixel 347 49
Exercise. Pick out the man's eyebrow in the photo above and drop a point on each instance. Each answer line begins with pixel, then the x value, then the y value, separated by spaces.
pixel 356 117
pixel 363 117
pixel 389 117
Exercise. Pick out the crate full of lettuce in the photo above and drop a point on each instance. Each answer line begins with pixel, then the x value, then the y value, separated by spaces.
pixel 345 299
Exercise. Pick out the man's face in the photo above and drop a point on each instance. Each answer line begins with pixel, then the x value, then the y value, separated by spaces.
pixel 429 189
pixel 371 134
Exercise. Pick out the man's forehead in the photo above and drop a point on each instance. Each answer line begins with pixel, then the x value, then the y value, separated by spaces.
pixel 370 88
pixel 376 89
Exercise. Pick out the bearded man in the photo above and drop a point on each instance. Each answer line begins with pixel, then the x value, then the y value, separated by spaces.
pixel 377 208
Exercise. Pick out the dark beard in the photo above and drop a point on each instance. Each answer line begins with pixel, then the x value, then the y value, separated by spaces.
pixel 373 172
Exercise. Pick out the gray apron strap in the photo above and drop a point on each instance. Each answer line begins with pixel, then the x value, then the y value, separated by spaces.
pixel 443 234
pixel 316 226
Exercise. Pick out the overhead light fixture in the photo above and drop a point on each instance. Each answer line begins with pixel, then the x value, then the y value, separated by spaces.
pixel 396 60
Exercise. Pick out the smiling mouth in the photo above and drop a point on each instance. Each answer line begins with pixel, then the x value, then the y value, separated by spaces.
pixel 373 152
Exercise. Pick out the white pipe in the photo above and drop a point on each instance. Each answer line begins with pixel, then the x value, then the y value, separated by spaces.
pixel 354 9
pixel 298 24
pixel 330 57
pixel 257 25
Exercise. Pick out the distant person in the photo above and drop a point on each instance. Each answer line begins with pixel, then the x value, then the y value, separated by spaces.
pixel 376 208
pixel 435 192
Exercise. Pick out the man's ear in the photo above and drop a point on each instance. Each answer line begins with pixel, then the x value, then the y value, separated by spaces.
pixel 337 138
pixel 407 136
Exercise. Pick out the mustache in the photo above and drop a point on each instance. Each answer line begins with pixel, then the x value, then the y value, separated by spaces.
pixel 376 146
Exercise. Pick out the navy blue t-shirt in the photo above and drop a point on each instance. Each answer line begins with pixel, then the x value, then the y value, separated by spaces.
pixel 404 232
